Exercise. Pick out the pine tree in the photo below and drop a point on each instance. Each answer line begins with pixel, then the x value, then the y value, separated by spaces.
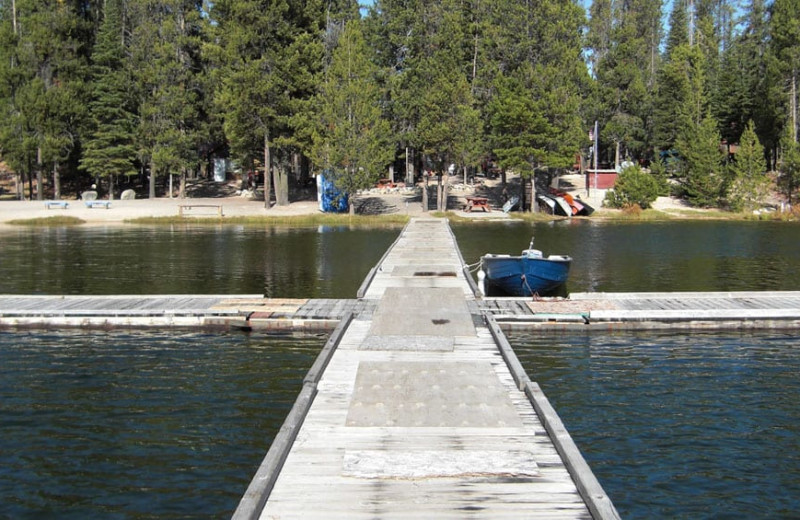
pixel 679 100
pixel 626 76
pixel 43 86
pixel 599 34
pixel 110 148
pixel 519 129
pixel 785 40
pixel 707 37
pixel 268 57
pixel 747 185
pixel 789 180
pixel 758 66
pixel 353 143
pixel 733 104
pixel 702 175
pixel 165 45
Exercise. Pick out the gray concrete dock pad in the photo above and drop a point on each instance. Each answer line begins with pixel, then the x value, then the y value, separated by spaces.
pixel 424 394
pixel 422 312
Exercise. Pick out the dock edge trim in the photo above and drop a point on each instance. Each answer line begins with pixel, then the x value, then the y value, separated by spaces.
pixel 598 502
pixel 257 493
pixel 362 290
pixel 593 494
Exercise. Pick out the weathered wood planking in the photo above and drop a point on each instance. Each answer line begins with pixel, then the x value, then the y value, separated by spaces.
pixel 633 310
pixel 427 424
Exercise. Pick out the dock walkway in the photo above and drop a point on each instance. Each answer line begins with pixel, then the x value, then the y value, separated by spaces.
pixel 582 311
pixel 420 409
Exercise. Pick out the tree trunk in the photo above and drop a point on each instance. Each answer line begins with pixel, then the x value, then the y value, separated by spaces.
pixel 19 185
pixel 409 168
pixel 39 175
pixel 170 185
pixel 152 193
pixel 281 173
pixel 474 63
pixel 616 155
pixel 425 193
pixel 56 182
pixel 182 186
pixel 534 205
pixel 445 184
pixel 794 106
pixel 267 170
pixel 111 183
pixel 439 192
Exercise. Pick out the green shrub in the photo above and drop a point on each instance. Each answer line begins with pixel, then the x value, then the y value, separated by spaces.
pixel 659 172
pixel 633 187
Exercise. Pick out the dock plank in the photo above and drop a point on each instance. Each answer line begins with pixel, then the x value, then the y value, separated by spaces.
pixel 417 413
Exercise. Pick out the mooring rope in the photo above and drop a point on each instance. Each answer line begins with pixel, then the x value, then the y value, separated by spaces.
pixel 534 294
pixel 473 267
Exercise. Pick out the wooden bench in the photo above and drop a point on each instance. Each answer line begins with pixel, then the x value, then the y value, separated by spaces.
pixel 63 204
pixel 182 209
pixel 477 202
pixel 97 203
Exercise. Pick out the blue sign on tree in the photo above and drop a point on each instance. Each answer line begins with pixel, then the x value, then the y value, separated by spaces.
pixel 331 199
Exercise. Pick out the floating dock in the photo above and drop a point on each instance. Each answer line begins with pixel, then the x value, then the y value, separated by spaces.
pixel 580 311
pixel 419 409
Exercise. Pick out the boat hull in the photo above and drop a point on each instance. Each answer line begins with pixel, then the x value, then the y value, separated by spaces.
pixel 524 276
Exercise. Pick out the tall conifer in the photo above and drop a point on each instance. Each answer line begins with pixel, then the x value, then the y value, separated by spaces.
pixel 353 142
pixel 109 149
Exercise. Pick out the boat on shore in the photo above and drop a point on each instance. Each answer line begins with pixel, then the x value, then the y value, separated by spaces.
pixel 563 204
pixel 510 204
pixel 530 273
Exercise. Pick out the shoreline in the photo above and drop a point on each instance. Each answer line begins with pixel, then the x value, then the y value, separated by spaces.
pixel 375 203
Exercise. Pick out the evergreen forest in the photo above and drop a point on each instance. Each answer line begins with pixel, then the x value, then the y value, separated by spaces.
pixel 141 92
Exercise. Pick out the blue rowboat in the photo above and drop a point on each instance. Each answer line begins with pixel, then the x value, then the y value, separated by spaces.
pixel 528 274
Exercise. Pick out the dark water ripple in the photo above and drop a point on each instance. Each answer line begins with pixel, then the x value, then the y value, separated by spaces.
pixel 318 262
pixel 140 425
pixel 654 256
pixel 678 426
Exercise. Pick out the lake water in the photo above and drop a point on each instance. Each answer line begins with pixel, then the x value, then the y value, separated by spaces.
pixel 173 424
pixel 679 426
pixel 318 262
pixel 331 262
pixel 657 256
pixel 143 424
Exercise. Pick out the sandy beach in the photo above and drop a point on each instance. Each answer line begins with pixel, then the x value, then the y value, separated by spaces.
pixel 401 201
pixel 120 211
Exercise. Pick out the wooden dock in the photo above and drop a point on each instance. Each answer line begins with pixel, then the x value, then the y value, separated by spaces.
pixel 419 408
pixel 580 311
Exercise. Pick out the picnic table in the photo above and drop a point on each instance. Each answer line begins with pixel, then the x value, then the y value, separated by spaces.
pixel 477 202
